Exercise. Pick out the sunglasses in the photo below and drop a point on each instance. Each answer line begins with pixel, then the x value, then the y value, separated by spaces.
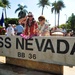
pixel 40 20
pixel 30 16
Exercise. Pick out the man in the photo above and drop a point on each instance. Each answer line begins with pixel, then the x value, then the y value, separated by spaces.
pixel 10 30
pixel 19 29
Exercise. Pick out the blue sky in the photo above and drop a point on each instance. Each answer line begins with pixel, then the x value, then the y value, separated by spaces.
pixel 33 7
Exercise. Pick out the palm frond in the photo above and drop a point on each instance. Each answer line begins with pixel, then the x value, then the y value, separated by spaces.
pixel 6 3
pixel 18 9
pixel 22 10
pixel 43 3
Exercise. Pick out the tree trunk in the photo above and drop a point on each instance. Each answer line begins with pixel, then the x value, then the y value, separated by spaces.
pixel 55 18
pixel 5 13
pixel 42 10
pixel 58 18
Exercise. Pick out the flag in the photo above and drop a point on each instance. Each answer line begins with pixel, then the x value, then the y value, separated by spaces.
pixel 2 21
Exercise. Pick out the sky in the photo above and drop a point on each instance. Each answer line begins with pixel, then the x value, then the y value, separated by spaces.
pixel 33 7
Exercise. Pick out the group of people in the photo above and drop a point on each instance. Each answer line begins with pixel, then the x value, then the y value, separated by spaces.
pixel 13 29
pixel 32 28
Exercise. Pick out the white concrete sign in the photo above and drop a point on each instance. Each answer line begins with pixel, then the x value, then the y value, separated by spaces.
pixel 53 49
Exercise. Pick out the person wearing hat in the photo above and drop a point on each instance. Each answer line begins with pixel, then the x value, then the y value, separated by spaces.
pixel 30 27
pixel 43 27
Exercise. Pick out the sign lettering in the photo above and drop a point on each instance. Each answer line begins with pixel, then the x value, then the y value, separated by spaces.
pixel 44 49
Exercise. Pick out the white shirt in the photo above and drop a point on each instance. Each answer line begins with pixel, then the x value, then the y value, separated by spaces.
pixel 10 31
pixel 43 28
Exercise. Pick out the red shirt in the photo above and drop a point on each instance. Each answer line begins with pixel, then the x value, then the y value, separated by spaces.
pixel 31 29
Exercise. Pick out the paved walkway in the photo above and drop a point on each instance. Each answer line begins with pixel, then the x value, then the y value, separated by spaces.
pixel 6 69
pixel 15 70
pixel 69 70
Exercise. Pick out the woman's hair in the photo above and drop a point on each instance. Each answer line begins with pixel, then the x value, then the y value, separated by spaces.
pixel 41 18
pixel 27 23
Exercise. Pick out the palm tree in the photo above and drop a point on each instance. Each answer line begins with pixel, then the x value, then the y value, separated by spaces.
pixel 5 4
pixel 43 3
pixel 60 5
pixel 0 3
pixel 54 9
pixel 22 11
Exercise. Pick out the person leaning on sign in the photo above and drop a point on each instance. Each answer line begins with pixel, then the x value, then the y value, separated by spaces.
pixel 30 27
pixel 43 27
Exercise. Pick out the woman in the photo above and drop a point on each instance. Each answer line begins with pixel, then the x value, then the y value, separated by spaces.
pixel 30 27
pixel 43 28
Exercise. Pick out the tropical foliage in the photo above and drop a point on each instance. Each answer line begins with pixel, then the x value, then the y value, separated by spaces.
pixel 22 11
pixel 43 3
pixel 71 22
pixel 2 31
pixel 60 6
pixel 63 26
pixel 57 6
pixel 54 9
pixel 11 21
pixel 5 4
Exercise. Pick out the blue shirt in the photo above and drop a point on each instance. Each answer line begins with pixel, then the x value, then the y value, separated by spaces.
pixel 19 28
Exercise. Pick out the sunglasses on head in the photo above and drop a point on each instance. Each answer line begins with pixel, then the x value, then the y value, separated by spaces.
pixel 30 16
